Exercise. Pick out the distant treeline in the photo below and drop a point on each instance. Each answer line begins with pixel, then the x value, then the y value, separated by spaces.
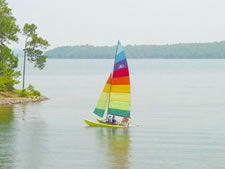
pixel 182 50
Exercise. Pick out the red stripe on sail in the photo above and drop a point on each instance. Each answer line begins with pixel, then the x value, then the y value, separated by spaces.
pixel 121 72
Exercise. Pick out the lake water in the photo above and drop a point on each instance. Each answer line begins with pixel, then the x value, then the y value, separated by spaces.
pixel 179 106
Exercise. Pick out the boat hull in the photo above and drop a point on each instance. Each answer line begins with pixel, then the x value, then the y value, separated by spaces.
pixel 94 124
pixel 129 125
pixel 99 120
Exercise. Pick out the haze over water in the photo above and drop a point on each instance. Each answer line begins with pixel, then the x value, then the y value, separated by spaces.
pixel 179 106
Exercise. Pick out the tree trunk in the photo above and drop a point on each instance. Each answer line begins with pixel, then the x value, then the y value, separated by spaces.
pixel 24 64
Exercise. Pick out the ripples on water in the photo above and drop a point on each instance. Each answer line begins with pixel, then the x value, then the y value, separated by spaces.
pixel 178 104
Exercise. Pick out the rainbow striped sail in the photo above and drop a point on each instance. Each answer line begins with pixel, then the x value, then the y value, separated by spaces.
pixel 119 100
pixel 117 89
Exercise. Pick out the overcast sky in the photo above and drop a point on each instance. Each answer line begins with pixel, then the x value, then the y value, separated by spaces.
pixel 103 22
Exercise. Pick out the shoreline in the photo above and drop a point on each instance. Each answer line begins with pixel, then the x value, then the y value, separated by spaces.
pixel 20 100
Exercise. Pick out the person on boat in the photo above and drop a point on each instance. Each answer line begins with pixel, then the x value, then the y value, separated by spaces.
pixel 113 120
pixel 109 120
pixel 125 121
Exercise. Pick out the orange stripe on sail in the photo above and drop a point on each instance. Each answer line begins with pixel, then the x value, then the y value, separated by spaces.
pixel 121 80
pixel 109 79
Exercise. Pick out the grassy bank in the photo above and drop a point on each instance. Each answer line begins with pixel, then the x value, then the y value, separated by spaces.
pixel 21 96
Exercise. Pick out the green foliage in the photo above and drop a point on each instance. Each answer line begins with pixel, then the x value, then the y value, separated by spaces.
pixel 8 27
pixel 2 84
pixel 8 62
pixel 36 56
pixel 7 83
pixel 36 93
pixel 29 92
pixel 7 58
pixel 32 92
pixel 29 30
pixel 34 46
pixel 186 51
pixel 23 93
pixel 30 87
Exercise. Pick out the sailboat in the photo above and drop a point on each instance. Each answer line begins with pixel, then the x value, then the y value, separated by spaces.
pixel 115 97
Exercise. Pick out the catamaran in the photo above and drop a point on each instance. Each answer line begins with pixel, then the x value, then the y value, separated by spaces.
pixel 115 97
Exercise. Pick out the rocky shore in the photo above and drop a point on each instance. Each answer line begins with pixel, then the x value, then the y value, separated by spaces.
pixel 20 100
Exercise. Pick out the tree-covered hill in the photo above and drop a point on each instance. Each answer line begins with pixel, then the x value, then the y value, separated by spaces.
pixel 183 50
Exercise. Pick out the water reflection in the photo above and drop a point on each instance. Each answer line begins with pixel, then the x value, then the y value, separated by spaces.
pixel 7 137
pixel 30 140
pixel 115 146
pixel 22 137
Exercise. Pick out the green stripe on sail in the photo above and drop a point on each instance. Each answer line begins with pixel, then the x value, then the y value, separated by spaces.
pixel 118 112
pixel 101 104
pixel 119 105
pixel 99 112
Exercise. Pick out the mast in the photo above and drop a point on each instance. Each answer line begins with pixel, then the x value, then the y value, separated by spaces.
pixel 111 80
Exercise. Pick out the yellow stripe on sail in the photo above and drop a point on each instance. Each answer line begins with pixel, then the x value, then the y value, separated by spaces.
pixel 107 88
pixel 119 105
pixel 104 96
pixel 101 104
pixel 121 88
pixel 102 101
pixel 124 97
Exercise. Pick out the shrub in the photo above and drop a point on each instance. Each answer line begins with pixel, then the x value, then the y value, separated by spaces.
pixel 30 91
pixel 36 93
pixel 23 93
pixel 30 88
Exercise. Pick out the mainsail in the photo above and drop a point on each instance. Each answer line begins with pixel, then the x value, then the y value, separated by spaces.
pixel 119 97
pixel 102 101
pixel 117 89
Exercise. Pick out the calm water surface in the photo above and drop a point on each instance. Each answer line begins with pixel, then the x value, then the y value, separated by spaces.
pixel 179 106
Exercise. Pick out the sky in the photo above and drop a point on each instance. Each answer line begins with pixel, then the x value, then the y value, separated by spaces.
pixel 134 22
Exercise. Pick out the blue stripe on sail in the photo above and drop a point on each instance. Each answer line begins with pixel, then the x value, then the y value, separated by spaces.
pixel 120 56
pixel 119 48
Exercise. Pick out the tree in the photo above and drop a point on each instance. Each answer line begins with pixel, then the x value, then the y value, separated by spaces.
pixel 8 62
pixel 7 73
pixel 33 48
pixel 8 27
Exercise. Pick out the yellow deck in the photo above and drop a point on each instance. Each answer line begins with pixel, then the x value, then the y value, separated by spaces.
pixel 94 124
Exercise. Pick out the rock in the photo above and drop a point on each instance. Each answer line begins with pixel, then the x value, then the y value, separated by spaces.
pixel 19 100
